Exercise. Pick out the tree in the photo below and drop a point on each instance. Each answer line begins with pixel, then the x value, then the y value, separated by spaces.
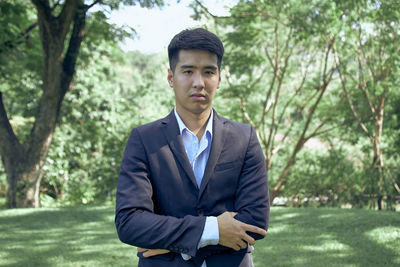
pixel 368 60
pixel 292 66
pixel 61 30
pixel 279 74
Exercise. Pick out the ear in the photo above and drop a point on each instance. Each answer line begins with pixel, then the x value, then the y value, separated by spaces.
pixel 219 80
pixel 170 78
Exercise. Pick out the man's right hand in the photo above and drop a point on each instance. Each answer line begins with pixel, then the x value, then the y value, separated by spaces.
pixel 152 252
pixel 232 233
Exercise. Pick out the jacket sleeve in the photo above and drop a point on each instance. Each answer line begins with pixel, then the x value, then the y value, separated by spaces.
pixel 135 220
pixel 252 195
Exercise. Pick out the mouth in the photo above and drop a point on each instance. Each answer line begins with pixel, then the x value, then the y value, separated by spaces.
pixel 198 97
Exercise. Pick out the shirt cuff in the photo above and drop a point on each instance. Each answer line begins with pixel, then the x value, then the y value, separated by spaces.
pixel 210 235
pixel 186 257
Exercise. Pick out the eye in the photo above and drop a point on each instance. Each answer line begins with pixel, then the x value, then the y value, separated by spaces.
pixel 210 71
pixel 188 72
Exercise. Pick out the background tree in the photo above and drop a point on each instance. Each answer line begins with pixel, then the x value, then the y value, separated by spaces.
pixel 282 66
pixel 278 78
pixel 61 30
pixel 368 59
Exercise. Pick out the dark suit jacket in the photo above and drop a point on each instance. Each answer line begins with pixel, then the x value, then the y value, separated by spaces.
pixel 159 204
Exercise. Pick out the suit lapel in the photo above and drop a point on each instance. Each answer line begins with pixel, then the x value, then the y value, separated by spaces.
pixel 171 132
pixel 216 148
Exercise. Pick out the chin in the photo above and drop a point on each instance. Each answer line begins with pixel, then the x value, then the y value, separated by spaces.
pixel 199 110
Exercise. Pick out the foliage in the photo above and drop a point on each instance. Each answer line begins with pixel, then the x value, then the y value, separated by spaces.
pixel 316 179
pixel 20 83
pixel 287 66
pixel 279 79
pixel 111 95
pixel 86 236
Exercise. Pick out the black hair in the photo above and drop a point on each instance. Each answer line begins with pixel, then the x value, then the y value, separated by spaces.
pixel 194 39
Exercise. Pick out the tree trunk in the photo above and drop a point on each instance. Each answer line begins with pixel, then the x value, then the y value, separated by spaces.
pixel 24 175
pixel 23 188
pixel 12 190
pixel 283 177
pixel 377 166
pixel 377 161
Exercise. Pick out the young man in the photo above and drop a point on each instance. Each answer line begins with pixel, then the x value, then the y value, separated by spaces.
pixel 192 189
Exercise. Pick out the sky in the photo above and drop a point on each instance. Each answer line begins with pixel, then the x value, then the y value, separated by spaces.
pixel 155 27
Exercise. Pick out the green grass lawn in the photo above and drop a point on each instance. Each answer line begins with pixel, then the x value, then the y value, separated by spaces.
pixel 86 236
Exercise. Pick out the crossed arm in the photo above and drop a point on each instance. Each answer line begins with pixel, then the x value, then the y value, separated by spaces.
pixel 236 229
pixel 232 234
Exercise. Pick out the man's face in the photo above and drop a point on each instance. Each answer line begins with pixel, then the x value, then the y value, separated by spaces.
pixel 195 80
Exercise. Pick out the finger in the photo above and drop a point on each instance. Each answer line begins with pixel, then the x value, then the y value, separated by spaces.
pixel 253 229
pixel 142 249
pixel 236 247
pixel 154 252
pixel 248 239
pixel 149 253
pixel 233 214
pixel 242 244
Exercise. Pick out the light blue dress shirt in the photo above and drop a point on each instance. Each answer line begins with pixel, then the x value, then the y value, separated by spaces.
pixel 198 153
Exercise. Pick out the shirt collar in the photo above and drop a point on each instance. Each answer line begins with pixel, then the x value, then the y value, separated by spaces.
pixel 182 126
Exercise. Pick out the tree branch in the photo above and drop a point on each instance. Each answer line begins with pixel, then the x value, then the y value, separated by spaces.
pixel 274 149
pixel 363 85
pixel 207 11
pixel 43 8
pixel 8 140
pixel 10 44
pixel 66 16
pixel 87 7
pixel 242 102
pixel 245 113
pixel 274 66
pixel 69 62
pixel 353 110
pixel 322 91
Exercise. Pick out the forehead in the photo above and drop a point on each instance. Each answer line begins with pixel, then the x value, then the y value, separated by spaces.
pixel 197 58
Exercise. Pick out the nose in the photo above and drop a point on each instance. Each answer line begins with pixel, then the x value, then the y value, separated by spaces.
pixel 198 81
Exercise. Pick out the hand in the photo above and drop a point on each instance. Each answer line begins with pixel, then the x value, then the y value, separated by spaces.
pixel 232 233
pixel 152 252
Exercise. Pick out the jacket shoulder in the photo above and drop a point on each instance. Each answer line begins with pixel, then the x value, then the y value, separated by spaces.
pixel 154 127
pixel 148 127
pixel 235 127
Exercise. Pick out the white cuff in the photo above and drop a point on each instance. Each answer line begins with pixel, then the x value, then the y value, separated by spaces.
pixel 186 257
pixel 210 234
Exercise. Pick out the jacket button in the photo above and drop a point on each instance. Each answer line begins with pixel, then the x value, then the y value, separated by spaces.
pixel 200 212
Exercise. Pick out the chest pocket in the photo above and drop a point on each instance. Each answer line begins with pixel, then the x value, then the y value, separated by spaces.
pixel 228 165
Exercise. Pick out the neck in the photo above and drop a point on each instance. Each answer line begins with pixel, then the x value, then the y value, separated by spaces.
pixel 195 122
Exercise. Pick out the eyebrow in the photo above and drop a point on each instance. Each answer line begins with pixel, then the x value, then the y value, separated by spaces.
pixel 195 67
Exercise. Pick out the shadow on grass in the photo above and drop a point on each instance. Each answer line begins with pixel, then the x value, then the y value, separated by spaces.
pixel 86 236
pixel 78 236
pixel 330 237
